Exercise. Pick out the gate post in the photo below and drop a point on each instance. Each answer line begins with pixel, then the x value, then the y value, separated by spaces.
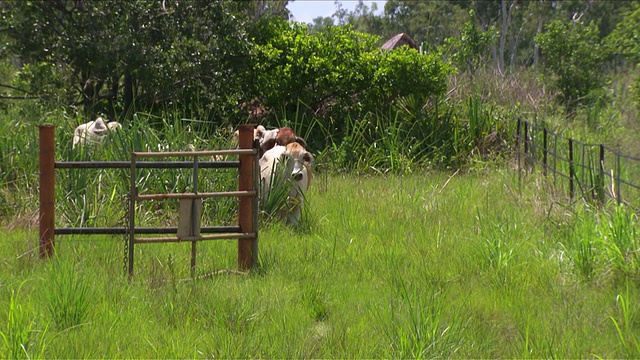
pixel 247 251
pixel 46 136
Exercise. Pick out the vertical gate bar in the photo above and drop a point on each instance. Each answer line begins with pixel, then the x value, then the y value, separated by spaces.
pixel 518 154
pixel 555 160
pixel 518 124
pixel 133 193
pixel 544 149
pixel 245 206
pixel 571 171
pixel 526 145
pixel 193 216
pixel 618 177
pixel 46 140
pixel 582 171
pixel 602 185
pixel 256 186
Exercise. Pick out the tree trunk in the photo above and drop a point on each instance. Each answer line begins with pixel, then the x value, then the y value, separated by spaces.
pixel 127 95
pixel 506 21
pixel 536 49
pixel 113 93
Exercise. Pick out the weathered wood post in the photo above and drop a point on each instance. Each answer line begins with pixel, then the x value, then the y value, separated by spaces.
pixel 46 135
pixel 247 251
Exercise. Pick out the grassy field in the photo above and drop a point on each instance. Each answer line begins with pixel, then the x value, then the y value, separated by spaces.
pixel 391 261
pixel 469 264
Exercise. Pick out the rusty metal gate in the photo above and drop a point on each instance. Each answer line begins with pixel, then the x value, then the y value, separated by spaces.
pixel 188 229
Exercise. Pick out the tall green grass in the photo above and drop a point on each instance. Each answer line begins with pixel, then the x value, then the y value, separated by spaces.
pixel 425 265
pixel 394 259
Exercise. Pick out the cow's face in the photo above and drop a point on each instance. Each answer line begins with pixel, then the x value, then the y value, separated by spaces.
pixel 299 163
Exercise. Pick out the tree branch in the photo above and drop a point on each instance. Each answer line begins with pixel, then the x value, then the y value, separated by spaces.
pixel 9 97
pixel 13 88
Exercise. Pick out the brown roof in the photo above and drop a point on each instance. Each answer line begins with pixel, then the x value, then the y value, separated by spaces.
pixel 399 40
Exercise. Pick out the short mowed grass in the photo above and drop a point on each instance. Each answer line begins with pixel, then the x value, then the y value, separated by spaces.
pixel 468 264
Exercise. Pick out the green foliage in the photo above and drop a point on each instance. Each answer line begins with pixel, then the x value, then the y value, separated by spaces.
pixel 573 59
pixel 112 53
pixel 338 73
pixel 68 296
pixel 626 321
pixel 19 336
pixel 470 49
pixel 624 42
pixel 325 69
pixel 436 264
pixel 624 39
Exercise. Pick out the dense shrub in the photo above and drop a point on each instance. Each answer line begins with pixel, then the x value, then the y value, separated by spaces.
pixel 338 73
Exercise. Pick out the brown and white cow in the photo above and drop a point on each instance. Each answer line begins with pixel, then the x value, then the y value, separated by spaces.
pixel 93 132
pixel 272 137
pixel 286 167
pixel 281 136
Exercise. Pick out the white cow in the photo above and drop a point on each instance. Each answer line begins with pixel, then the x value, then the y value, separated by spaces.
pixel 286 171
pixel 257 134
pixel 93 132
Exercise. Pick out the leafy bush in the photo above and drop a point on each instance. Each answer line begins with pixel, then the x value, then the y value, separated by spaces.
pixel 573 60
pixel 337 73
pixel 471 47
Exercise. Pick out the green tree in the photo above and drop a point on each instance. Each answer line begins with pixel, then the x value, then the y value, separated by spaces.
pixel 320 23
pixel 469 50
pixel 190 53
pixel 573 59
pixel 624 41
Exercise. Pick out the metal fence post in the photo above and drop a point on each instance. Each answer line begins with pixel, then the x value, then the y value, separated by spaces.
pixel 544 153
pixel 571 170
pixel 601 186
pixel 618 182
pixel 47 189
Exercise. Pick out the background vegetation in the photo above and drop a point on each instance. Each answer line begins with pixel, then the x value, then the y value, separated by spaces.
pixel 452 257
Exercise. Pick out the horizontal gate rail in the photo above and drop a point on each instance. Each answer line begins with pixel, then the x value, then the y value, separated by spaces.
pixel 195 153
pixel 173 239
pixel 198 195
pixel 145 164
pixel 142 230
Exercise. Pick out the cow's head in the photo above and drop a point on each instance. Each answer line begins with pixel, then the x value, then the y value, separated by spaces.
pixel 301 161
pixel 282 136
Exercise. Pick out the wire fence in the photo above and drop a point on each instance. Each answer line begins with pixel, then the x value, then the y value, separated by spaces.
pixel 594 172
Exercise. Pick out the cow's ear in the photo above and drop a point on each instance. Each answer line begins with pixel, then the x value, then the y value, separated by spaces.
pixel 308 158
pixel 300 141
pixel 268 144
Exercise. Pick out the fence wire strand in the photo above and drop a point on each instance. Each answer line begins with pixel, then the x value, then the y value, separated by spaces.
pixel 595 170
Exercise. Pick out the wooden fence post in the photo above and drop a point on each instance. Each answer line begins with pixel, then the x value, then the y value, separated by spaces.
pixel 47 189
pixel 247 252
